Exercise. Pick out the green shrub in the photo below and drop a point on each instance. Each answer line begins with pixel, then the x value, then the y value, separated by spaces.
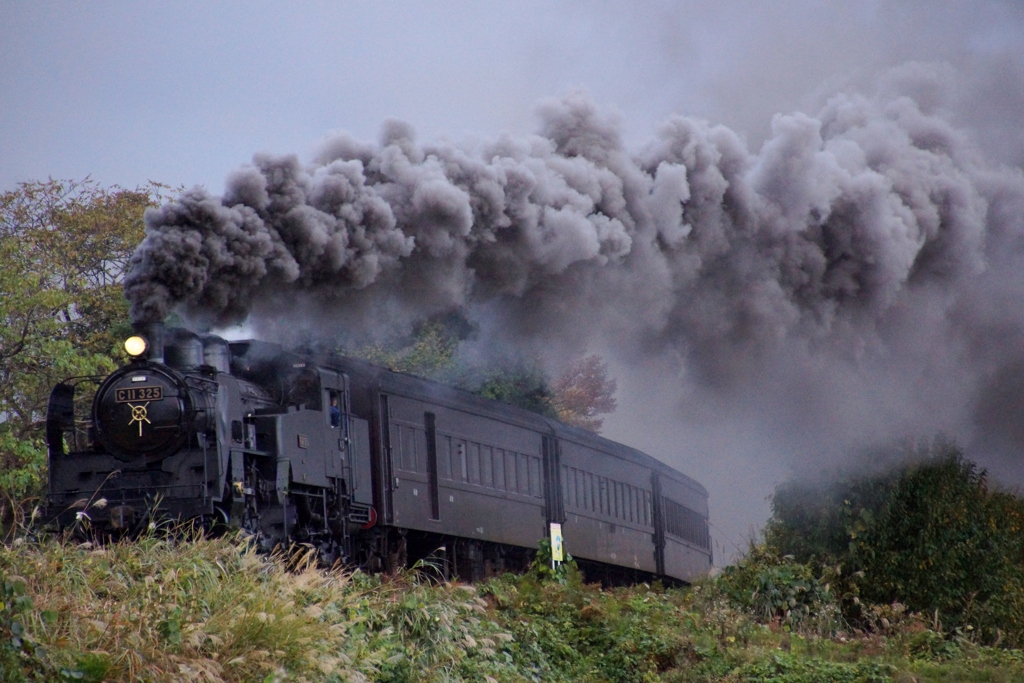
pixel 929 535
pixel 785 668
pixel 22 658
pixel 775 588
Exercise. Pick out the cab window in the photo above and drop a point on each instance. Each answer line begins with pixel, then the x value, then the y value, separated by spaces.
pixel 334 407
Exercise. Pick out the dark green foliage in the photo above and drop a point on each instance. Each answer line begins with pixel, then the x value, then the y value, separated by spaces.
pixel 543 567
pixel 929 534
pixel 12 632
pixel 786 668
pixel 576 632
pixel 22 658
pixel 774 588
pixel 431 351
pixel 519 384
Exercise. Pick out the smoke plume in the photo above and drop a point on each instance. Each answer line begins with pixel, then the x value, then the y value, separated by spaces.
pixel 859 276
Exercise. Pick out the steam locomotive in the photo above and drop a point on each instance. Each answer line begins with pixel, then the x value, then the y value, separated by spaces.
pixel 374 468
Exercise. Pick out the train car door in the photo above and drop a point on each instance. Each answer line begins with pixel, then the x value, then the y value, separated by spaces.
pixel 412 472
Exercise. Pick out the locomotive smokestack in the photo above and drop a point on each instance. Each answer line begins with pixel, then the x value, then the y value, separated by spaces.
pixel 153 333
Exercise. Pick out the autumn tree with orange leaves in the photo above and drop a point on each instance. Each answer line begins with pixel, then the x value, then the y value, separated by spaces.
pixel 583 392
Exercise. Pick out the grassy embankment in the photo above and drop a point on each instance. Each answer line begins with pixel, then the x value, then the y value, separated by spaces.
pixel 211 610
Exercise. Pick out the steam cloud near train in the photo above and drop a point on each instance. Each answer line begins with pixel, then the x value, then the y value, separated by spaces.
pixel 869 249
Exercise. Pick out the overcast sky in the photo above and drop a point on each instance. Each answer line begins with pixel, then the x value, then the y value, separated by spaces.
pixel 183 93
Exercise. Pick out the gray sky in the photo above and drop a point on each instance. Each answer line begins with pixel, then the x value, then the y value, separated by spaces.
pixel 183 93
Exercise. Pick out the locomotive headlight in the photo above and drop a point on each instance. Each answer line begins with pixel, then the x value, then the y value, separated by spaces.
pixel 135 346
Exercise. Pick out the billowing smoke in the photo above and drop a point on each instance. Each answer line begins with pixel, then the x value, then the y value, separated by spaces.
pixel 858 277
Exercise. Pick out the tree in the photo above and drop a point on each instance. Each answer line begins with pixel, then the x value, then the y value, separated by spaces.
pixel 430 352
pixel 583 392
pixel 577 397
pixel 516 382
pixel 64 249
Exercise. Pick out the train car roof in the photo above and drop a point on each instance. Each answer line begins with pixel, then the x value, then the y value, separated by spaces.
pixel 590 439
pixel 412 386
pixel 417 387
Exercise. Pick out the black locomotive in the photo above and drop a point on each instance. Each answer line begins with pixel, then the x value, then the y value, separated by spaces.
pixel 374 468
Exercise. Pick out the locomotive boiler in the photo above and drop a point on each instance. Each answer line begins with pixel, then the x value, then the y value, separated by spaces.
pixel 374 468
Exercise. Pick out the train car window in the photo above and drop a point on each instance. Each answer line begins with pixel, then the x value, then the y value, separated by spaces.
pixel 463 469
pixel 304 389
pixel 577 486
pixel 523 475
pixel 445 458
pixel 566 486
pixel 535 479
pixel 407 446
pixel 572 482
pixel 417 443
pixel 422 456
pixel 397 451
pixel 473 456
pixel 686 524
pixel 499 469
pixel 487 462
pixel 511 484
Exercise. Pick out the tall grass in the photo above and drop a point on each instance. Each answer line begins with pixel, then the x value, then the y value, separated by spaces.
pixel 171 608
pixel 164 608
